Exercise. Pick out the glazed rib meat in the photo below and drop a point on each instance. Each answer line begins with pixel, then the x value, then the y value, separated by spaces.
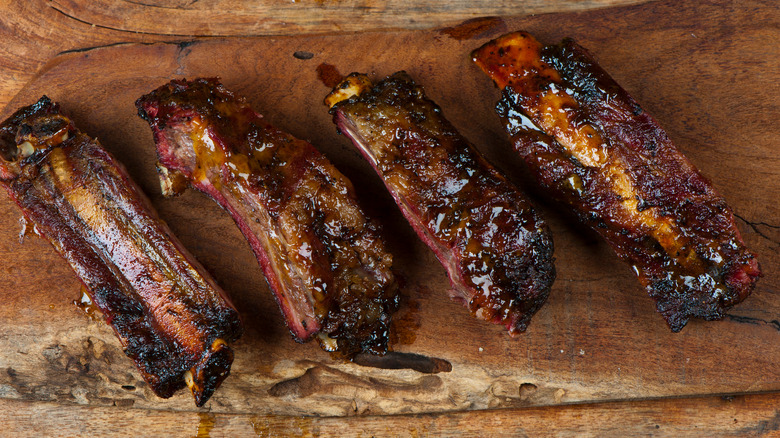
pixel 170 316
pixel 593 147
pixel 322 257
pixel 496 250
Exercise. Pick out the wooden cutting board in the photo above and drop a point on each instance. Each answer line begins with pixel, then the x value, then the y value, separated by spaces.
pixel 706 72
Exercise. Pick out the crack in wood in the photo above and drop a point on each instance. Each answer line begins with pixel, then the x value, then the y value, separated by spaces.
pixel 775 323
pixel 101 46
pixel 147 5
pixel 754 226
pixel 151 5
pixel 182 53
pixel 181 44
pixel 138 32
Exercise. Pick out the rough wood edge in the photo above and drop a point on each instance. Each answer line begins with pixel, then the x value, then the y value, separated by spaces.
pixel 742 415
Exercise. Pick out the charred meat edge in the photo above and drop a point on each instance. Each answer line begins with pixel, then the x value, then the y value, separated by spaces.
pixel 595 149
pixel 324 260
pixel 172 319
pixel 497 251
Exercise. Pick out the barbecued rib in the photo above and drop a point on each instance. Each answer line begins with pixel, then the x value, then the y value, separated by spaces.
pixel 593 147
pixel 497 251
pixel 324 260
pixel 170 316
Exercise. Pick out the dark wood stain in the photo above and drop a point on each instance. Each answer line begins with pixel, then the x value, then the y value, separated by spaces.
pixel 398 361
pixel 476 27
pixel 406 321
pixel 329 75
pixel 302 54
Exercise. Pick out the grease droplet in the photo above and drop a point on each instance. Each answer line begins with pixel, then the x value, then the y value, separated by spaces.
pixel 84 303
pixel 407 320
pixel 28 228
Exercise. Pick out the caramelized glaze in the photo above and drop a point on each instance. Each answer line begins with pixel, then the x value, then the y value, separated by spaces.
pixel 163 306
pixel 322 257
pixel 592 146
pixel 497 251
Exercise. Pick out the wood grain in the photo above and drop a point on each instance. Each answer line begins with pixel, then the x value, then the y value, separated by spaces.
pixel 247 17
pixel 34 31
pixel 705 71
pixel 727 416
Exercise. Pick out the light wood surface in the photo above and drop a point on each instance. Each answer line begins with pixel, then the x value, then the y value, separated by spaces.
pixel 705 71
pixel 714 416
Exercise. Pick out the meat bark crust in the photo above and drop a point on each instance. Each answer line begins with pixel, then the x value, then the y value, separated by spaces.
pixel 495 248
pixel 172 319
pixel 324 260
pixel 591 146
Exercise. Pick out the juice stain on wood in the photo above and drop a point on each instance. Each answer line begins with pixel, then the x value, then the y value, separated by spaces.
pixel 406 321
pixel 269 426
pixel 27 229
pixel 475 27
pixel 329 75
pixel 206 424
